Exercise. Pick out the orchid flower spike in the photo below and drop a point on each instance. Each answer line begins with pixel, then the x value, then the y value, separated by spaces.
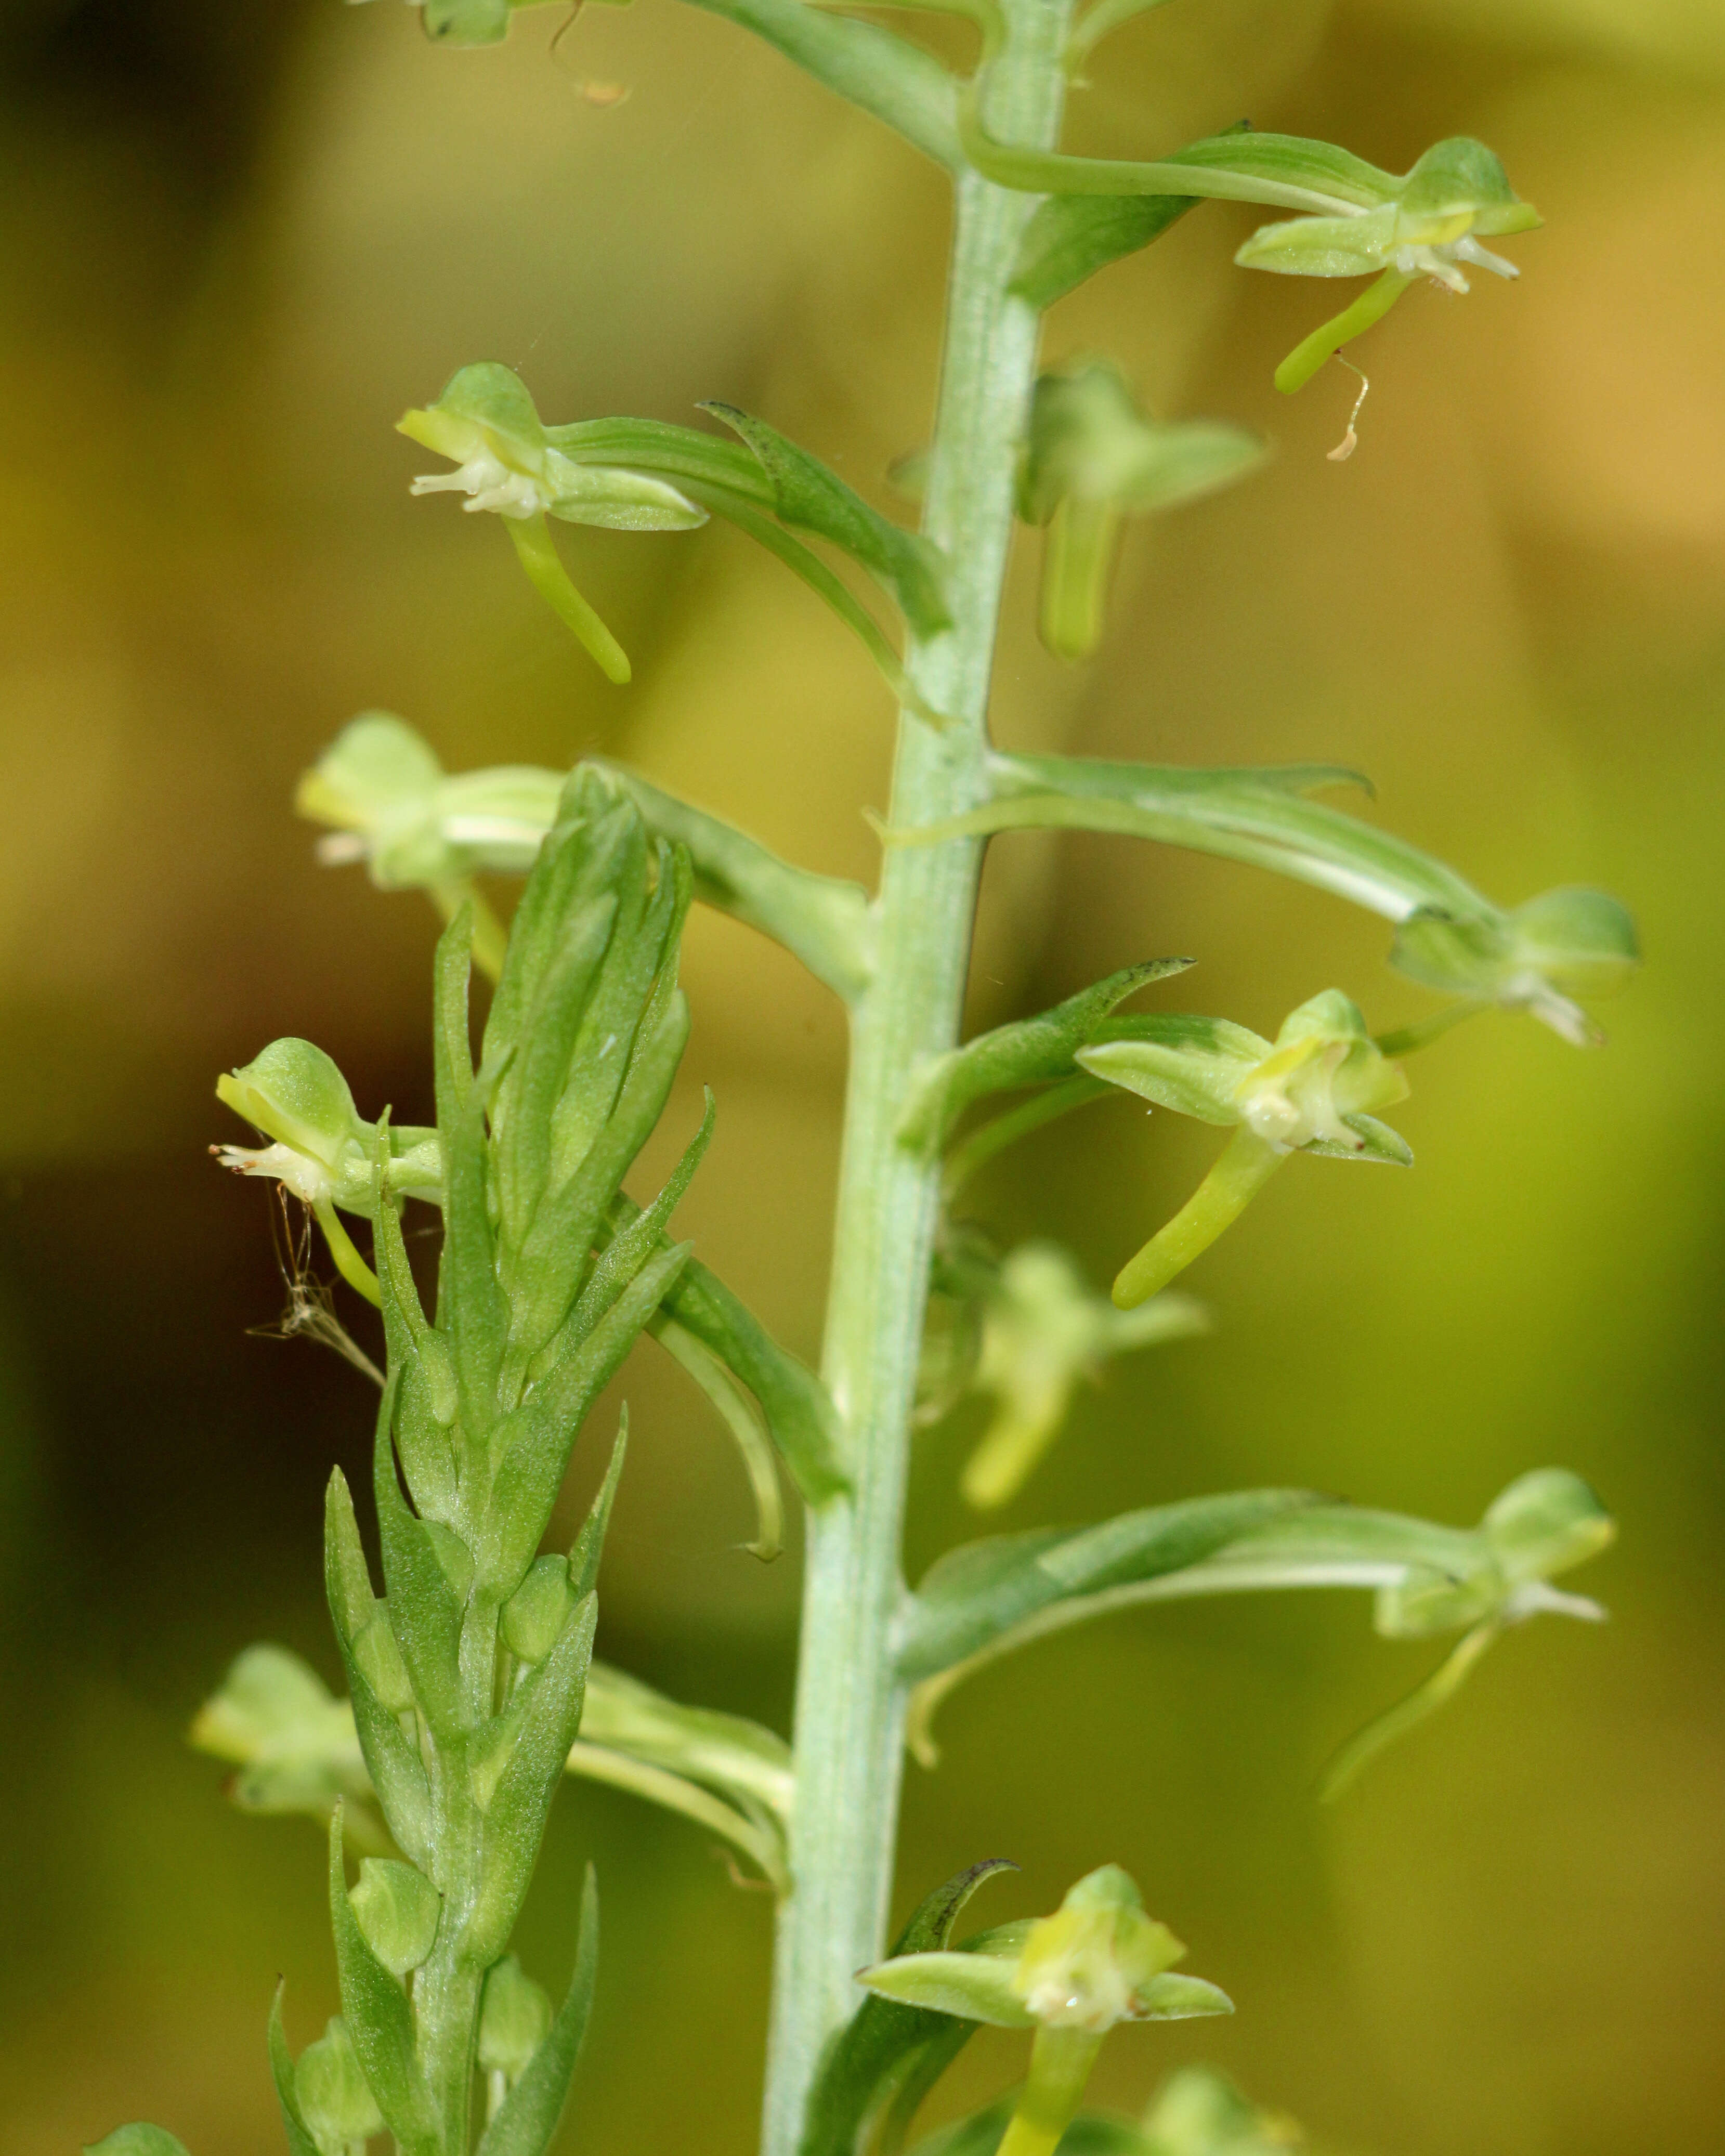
pixel 1315 1089
pixel 488 426
pixel 1097 1961
pixel 1430 225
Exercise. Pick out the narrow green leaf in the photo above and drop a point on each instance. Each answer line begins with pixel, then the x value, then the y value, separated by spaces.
pixel 397 1771
pixel 884 75
pixel 425 1608
pixel 800 1413
pixel 539 1434
pixel 821 920
pixel 1256 816
pixel 748 1765
pixel 521 1802
pixel 982 1590
pixel 810 496
pixel 888 2057
pixel 739 1416
pixel 380 2022
pixel 527 2123
pixel 623 1257
pixel 281 2071
pixel 1027 1052
pixel 589 1545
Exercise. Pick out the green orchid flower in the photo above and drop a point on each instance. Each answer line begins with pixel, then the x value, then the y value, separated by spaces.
pixel 488 426
pixel 1429 222
pixel 1315 1089
pixel 1097 1961
pixel 1044 1330
pixel 1093 459
pixel 322 1150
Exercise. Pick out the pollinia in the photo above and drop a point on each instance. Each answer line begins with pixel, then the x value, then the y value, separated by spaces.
pixel 471 1692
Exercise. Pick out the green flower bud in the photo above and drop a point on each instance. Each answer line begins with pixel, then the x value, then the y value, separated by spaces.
pixel 334 2097
pixel 515 2019
pixel 1564 944
pixel 380 1660
pixel 533 1618
pixel 397 1907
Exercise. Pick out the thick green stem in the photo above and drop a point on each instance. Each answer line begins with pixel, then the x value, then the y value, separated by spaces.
pixel 850 1731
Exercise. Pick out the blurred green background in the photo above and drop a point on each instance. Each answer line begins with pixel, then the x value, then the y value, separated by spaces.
pixel 238 236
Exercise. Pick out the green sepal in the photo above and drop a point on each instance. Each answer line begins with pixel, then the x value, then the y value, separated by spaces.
pixel 983 1589
pixel 973 1982
pixel 546 1713
pixel 138 2138
pixel 397 1771
pixel 1028 1052
pixel 281 2072
pixel 380 2021
pixel 531 1620
pixel 527 2123
pixel 881 2065
pixel 426 1605
pixel 1182 1061
pixel 810 497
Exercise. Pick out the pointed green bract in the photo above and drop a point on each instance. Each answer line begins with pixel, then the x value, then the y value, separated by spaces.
pixel 891 2053
pixel 528 2123
pixel 1028 1052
